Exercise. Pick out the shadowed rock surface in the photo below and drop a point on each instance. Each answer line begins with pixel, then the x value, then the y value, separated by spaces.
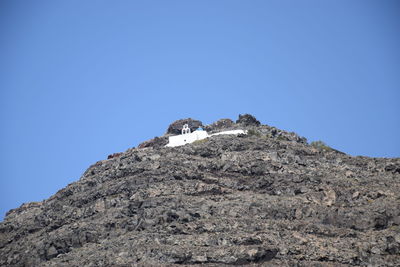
pixel 263 199
pixel 247 120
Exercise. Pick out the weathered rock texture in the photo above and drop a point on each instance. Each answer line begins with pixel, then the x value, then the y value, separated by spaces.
pixel 247 120
pixel 264 199
pixel 156 142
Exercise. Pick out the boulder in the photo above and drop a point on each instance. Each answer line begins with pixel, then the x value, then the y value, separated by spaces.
pixel 248 120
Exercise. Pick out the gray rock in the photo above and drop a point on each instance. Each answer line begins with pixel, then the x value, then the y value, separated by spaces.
pixel 156 142
pixel 247 120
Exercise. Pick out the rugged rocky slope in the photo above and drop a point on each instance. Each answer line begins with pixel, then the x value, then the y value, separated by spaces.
pixel 266 198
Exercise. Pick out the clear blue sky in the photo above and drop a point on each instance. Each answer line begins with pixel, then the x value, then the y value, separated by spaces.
pixel 82 79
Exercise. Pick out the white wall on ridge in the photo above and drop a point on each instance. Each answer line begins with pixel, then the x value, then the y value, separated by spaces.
pixel 183 139
pixel 230 132
pixel 180 140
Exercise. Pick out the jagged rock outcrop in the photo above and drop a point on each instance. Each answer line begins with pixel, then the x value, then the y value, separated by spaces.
pixel 247 120
pixel 264 199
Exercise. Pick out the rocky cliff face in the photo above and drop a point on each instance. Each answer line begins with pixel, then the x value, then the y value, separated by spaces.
pixel 266 198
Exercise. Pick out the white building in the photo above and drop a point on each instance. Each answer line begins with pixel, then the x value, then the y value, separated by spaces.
pixel 188 137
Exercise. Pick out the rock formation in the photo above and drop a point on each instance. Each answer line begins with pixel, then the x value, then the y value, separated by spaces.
pixel 247 120
pixel 267 198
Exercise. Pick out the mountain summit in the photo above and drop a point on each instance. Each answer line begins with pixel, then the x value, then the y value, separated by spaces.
pixel 264 198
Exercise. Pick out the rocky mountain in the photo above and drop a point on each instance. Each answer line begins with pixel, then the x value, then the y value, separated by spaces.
pixel 267 198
